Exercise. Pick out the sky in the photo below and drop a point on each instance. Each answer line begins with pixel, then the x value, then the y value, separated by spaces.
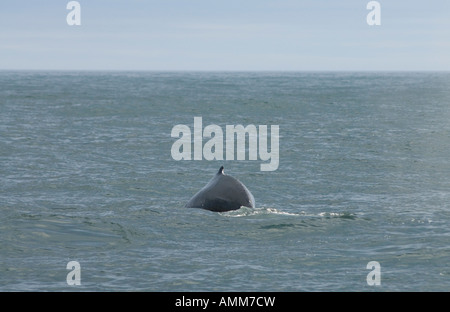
pixel 218 35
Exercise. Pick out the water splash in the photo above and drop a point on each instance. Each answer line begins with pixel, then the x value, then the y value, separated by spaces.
pixel 246 212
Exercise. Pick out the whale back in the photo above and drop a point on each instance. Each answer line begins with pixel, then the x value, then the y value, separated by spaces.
pixel 222 193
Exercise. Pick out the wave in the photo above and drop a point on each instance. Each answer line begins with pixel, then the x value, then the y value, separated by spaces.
pixel 247 212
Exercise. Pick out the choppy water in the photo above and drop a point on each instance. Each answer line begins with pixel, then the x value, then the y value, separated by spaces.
pixel 86 174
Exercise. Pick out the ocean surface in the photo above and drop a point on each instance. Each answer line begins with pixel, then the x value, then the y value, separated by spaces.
pixel 87 175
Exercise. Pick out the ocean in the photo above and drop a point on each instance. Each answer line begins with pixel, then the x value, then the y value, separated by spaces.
pixel 360 199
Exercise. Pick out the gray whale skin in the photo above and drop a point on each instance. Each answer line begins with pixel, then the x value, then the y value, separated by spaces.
pixel 222 193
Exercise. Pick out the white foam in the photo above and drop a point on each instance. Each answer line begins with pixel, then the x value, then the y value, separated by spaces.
pixel 245 211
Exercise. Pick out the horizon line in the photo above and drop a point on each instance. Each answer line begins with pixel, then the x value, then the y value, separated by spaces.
pixel 237 70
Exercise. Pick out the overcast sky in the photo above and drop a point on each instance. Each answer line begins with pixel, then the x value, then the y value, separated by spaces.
pixel 225 35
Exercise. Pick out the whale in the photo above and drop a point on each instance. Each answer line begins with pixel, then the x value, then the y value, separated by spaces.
pixel 222 193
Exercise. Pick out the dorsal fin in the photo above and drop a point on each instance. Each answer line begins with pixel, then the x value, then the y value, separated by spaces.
pixel 220 170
